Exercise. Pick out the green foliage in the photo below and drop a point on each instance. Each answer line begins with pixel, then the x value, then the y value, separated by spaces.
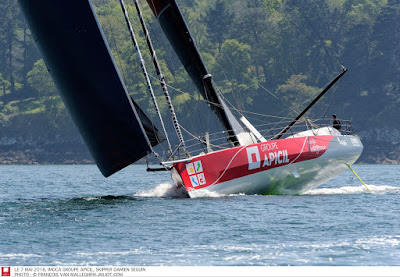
pixel 272 5
pixel 295 91
pixel 181 100
pixel 217 20
pixel 4 86
pixel 235 59
pixel 289 47
pixel 3 120
pixel 10 109
pixel 40 80
pixel 55 111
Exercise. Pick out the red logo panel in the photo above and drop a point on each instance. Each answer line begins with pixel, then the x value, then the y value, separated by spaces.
pixel 5 271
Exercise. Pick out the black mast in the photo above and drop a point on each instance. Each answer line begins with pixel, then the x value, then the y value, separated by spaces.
pixel 177 32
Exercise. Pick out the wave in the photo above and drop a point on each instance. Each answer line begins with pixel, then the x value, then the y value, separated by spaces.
pixel 19 255
pixel 166 190
pixel 355 190
pixel 106 197
pixel 205 193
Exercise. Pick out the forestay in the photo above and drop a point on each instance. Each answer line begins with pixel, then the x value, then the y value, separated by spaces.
pixel 178 34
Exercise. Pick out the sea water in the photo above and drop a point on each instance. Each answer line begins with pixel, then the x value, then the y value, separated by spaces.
pixel 71 215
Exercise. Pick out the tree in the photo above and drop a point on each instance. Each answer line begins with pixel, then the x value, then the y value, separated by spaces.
pixel 218 21
pixel 235 59
pixel 40 80
pixel 4 86
pixel 8 23
pixel 295 91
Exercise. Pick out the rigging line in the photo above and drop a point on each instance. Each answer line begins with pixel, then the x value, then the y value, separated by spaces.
pixel 234 97
pixel 226 77
pixel 284 57
pixel 218 90
pixel 289 62
pixel 240 109
pixel 123 75
pixel 199 145
pixel 240 112
pixel 288 127
pixel 330 102
pixel 283 102
pixel 318 34
pixel 168 60
pixel 312 96
pixel 230 60
pixel 212 103
pixel 222 69
pixel 188 40
pixel 276 97
pixel 222 133
pixel 233 108
pixel 213 134
pixel 200 140
pixel 143 66
pixel 161 76
pixel 186 105
pixel 122 69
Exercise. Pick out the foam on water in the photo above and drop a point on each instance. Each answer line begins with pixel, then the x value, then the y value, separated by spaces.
pixel 205 193
pixel 167 190
pixel 355 190
pixel 18 255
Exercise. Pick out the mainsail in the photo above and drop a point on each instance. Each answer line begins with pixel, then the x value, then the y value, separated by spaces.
pixel 79 60
pixel 178 34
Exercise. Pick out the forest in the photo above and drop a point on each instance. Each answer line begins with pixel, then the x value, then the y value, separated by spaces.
pixel 271 57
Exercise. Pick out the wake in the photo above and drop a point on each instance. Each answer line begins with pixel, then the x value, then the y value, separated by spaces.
pixel 355 190
pixel 168 190
pixel 165 190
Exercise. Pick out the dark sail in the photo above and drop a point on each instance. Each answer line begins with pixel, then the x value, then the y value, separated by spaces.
pixel 79 61
pixel 154 136
pixel 177 32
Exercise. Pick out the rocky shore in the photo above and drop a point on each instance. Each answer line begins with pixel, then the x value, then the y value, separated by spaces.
pixel 20 151
pixel 381 146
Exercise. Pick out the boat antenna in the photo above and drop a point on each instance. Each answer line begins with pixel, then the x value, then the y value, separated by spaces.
pixel 287 128
pixel 160 76
pixel 144 70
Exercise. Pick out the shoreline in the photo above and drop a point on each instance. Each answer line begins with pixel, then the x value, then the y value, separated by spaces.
pixel 78 154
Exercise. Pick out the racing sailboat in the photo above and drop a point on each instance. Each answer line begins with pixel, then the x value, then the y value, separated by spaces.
pixel 118 132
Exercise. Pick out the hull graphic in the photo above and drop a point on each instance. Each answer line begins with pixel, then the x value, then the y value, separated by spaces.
pixel 287 166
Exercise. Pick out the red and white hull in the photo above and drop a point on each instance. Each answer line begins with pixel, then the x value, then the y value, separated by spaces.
pixel 286 166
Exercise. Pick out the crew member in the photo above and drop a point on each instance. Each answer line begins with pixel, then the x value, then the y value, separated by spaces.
pixel 336 123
